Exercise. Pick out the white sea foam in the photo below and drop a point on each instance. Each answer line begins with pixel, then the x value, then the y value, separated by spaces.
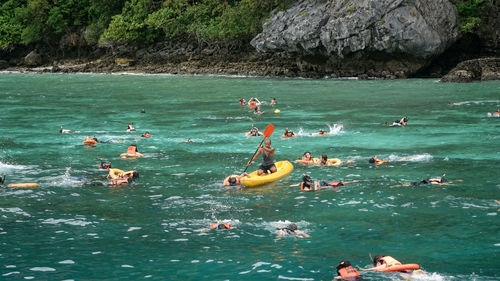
pixel 67 221
pixel 294 278
pixel 133 228
pixel 15 210
pixel 44 269
pixel 67 262
pixel 410 158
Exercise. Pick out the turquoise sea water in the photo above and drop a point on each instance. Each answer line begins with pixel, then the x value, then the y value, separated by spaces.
pixel 153 229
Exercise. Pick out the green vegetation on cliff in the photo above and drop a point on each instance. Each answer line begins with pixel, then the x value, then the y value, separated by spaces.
pixel 52 22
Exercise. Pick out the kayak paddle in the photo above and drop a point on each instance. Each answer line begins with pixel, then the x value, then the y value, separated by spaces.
pixel 267 133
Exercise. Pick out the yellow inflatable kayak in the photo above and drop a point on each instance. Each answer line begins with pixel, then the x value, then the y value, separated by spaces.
pixel 284 169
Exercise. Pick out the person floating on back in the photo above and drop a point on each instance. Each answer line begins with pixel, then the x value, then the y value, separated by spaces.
pixel 346 272
pixel 267 158
pixel 437 180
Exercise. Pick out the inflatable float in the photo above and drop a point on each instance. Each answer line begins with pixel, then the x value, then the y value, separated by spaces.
pixel 131 155
pixel 284 169
pixel 401 267
pixel 277 111
pixel 23 185
pixel 317 161
pixel 89 141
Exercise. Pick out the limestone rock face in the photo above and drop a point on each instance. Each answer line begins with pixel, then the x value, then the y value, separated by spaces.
pixel 33 59
pixel 483 69
pixel 340 28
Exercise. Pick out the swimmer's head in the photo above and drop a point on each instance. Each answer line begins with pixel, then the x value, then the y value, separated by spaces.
pixel 372 160
pixel 306 178
pixel 292 227
pixel 376 260
pixel 232 181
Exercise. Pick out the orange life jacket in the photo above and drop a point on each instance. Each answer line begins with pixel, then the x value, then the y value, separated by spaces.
pixel 348 272
pixel 131 149
pixel 252 104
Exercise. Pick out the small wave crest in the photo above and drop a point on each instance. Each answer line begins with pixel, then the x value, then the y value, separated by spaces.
pixel 411 158
pixel 333 129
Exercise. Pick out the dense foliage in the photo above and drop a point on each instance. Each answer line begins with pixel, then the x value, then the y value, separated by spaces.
pixel 146 21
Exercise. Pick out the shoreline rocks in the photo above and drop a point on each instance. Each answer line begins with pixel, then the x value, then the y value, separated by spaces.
pixel 483 69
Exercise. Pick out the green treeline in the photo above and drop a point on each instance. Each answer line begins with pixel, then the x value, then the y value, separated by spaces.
pixel 24 22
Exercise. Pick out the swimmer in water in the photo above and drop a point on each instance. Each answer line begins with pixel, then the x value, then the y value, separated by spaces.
pixel 291 230
pixel 254 132
pixel 146 135
pixel 307 156
pixel 143 110
pixel 125 177
pixel 104 165
pixel 130 128
pixel 233 180
pixel 346 272
pixel 383 262
pixel 400 123
pixel 2 180
pixel 257 111
pixel 273 101
pixel 436 180
pixel 308 184
pixel 376 161
pixel 64 131
pixel 288 134
pixel 220 226
pixel 243 101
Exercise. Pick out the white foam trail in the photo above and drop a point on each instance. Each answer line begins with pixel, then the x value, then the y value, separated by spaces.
pixel 475 102
pixel 335 129
pixel 411 158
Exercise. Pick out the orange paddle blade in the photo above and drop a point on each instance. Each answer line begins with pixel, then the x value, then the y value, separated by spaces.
pixel 269 130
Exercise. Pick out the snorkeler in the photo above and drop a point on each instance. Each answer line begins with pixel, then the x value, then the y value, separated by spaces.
pixel 64 131
pixel 146 135
pixel 346 272
pixel 233 180
pixel 291 230
pixel 220 226
pixel 130 128
pixel 437 180
pixel 288 134
pixel 400 123
pixel 254 132
pixel 104 165
pixel 375 160
pixel 308 184
pixel 322 132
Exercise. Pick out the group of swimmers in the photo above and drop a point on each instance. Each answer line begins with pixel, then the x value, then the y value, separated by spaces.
pixel 255 103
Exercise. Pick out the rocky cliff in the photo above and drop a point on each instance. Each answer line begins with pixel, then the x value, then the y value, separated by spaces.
pixel 364 37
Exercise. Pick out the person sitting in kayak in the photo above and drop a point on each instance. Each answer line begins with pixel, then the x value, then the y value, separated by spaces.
pixel 437 180
pixel 399 123
pixel 308 184
pixel 254 132
pixel 243 101
pixel 104 165
pixel 146 135
pixel 288 134
pixel 220 225
pixel 233 180
pixel 130 128
pixel 346 272
pixel 273 101
pixel 290 230
pixel 307 156
pixel 267 158
pixel 375 160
